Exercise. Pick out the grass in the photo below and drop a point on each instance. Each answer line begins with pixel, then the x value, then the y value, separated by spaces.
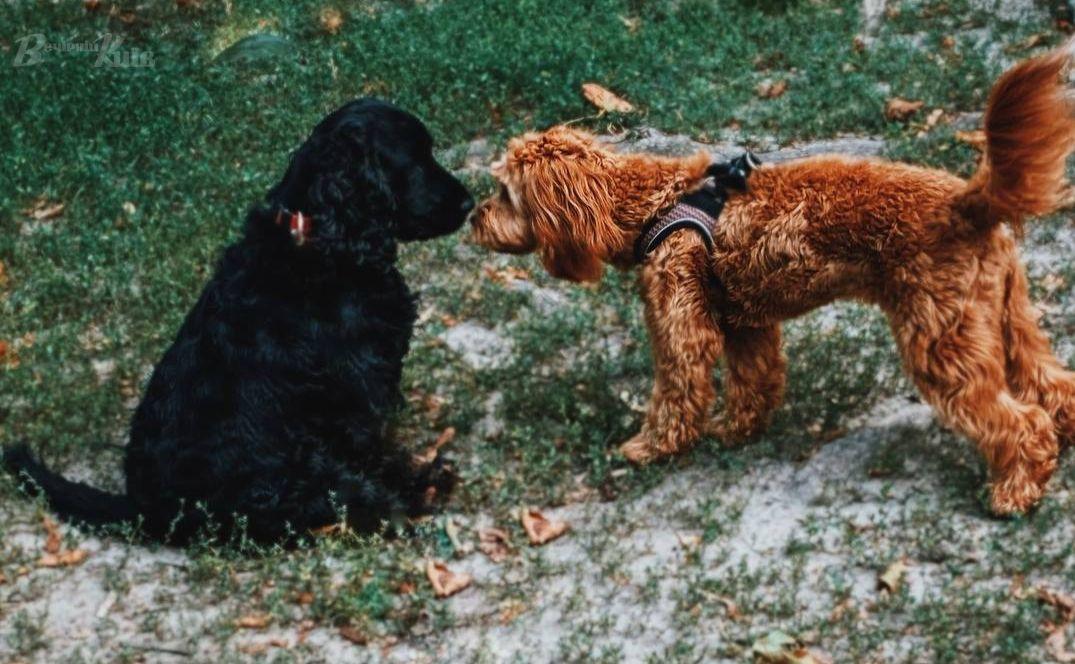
pixel 156 166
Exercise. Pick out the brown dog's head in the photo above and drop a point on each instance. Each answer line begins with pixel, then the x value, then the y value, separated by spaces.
pixel 576 202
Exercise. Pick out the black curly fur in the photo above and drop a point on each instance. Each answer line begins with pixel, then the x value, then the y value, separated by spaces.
pixel 270 406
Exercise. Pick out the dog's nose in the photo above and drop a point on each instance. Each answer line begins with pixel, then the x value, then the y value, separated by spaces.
pixel 467 205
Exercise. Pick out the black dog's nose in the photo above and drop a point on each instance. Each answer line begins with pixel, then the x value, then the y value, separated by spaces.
pixel 467 205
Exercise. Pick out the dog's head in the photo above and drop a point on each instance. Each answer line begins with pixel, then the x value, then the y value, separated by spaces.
pixel 577 203
pixel 369 166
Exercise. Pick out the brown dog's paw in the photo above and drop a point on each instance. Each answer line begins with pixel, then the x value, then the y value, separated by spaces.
pixel 640 450
pixel 733 433
pixel 1015 495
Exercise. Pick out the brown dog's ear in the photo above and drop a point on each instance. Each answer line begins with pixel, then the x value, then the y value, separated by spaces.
pixel 568 197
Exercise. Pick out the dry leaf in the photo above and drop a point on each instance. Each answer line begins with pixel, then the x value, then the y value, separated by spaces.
pixel 331 20
pixel 406 588
pixel 632 23
pixel 901 109
pixel 539 529
pixel 254 621
pixel 494 543
pixel 3 275
pixel 771 89
pixel 1028 43
pixel 1065 604
pixel 976 139
pixel 304 599
pixel 445 582
pixel 305 627
pixel 605 100
pixel 780 648
pixel 43 210
pixel 510 610
pixel 506 275
pixel 889 580
pixel 91 5
pixel 63 559
pixel 256 649
pixel 354 635
pixel 948 42
pixel 730 607
pixel 934 117
pixel 53 540
pixel 1056 644
pixel 331 530
pixel 430 453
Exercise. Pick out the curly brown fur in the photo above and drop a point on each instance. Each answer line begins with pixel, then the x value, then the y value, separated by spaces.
pixel 927 247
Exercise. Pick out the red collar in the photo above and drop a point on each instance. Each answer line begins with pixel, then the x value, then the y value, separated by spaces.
pixel 299 224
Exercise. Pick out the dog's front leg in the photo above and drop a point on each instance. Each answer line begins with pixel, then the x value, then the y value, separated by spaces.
pixel 686 343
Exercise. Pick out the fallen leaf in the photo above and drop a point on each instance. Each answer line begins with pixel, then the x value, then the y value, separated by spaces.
pixel 1028 43
pixel 63 558
pixel 331 530
pixel 53 539
pixel 898 109
pixel 506 275
pixel 256 649
pixel 254 621
pixel 405 588
pixel 305 627
pixel 771 89
pixel 976 139
pixel 354 635
pixel 948 42
pixel 539 529
pixel 1065 604
pixel 451 529
pixel 632 23
pixel 1056 644
pixel 446 582
pixel 494 543
pixel 430 453
pixel 730 607
pixel 605 100
pixel 3 275
pixel 934 117
pixel 304 598
pixel 331 20
pixel 3 579
pixel 889 580
pixel 42 210
pixel 91 5
pixel 780 648
pixel 510 610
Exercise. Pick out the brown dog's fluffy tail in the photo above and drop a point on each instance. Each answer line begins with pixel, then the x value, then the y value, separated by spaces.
pixel 1030 131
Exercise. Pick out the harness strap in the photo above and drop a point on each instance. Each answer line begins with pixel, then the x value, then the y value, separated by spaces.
pixel 700 209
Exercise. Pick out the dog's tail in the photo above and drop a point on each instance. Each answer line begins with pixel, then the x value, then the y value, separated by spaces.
pixel 1029 133
pixel 71 500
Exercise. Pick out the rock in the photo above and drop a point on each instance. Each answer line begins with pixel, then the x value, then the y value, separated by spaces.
pixel 480 347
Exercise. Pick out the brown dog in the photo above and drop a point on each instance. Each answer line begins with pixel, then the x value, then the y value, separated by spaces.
pixel 935 252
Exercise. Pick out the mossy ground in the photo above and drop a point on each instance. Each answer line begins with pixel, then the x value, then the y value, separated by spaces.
pixel 156 166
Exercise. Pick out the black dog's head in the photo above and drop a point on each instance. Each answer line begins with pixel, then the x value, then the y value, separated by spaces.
pixel 368 169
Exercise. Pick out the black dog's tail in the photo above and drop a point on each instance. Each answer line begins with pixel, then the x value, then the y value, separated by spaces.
pixel 71 500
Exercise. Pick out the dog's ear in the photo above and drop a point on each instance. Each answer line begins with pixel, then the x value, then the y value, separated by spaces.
pixel 568 197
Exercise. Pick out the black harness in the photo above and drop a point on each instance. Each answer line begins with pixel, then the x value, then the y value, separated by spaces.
pixel 700 209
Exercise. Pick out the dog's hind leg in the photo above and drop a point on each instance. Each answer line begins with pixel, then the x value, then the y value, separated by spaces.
pixel 1034 372
pixel 754 379
pixel 954 350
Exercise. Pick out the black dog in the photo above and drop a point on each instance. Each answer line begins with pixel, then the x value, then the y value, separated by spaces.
pixel 268 411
